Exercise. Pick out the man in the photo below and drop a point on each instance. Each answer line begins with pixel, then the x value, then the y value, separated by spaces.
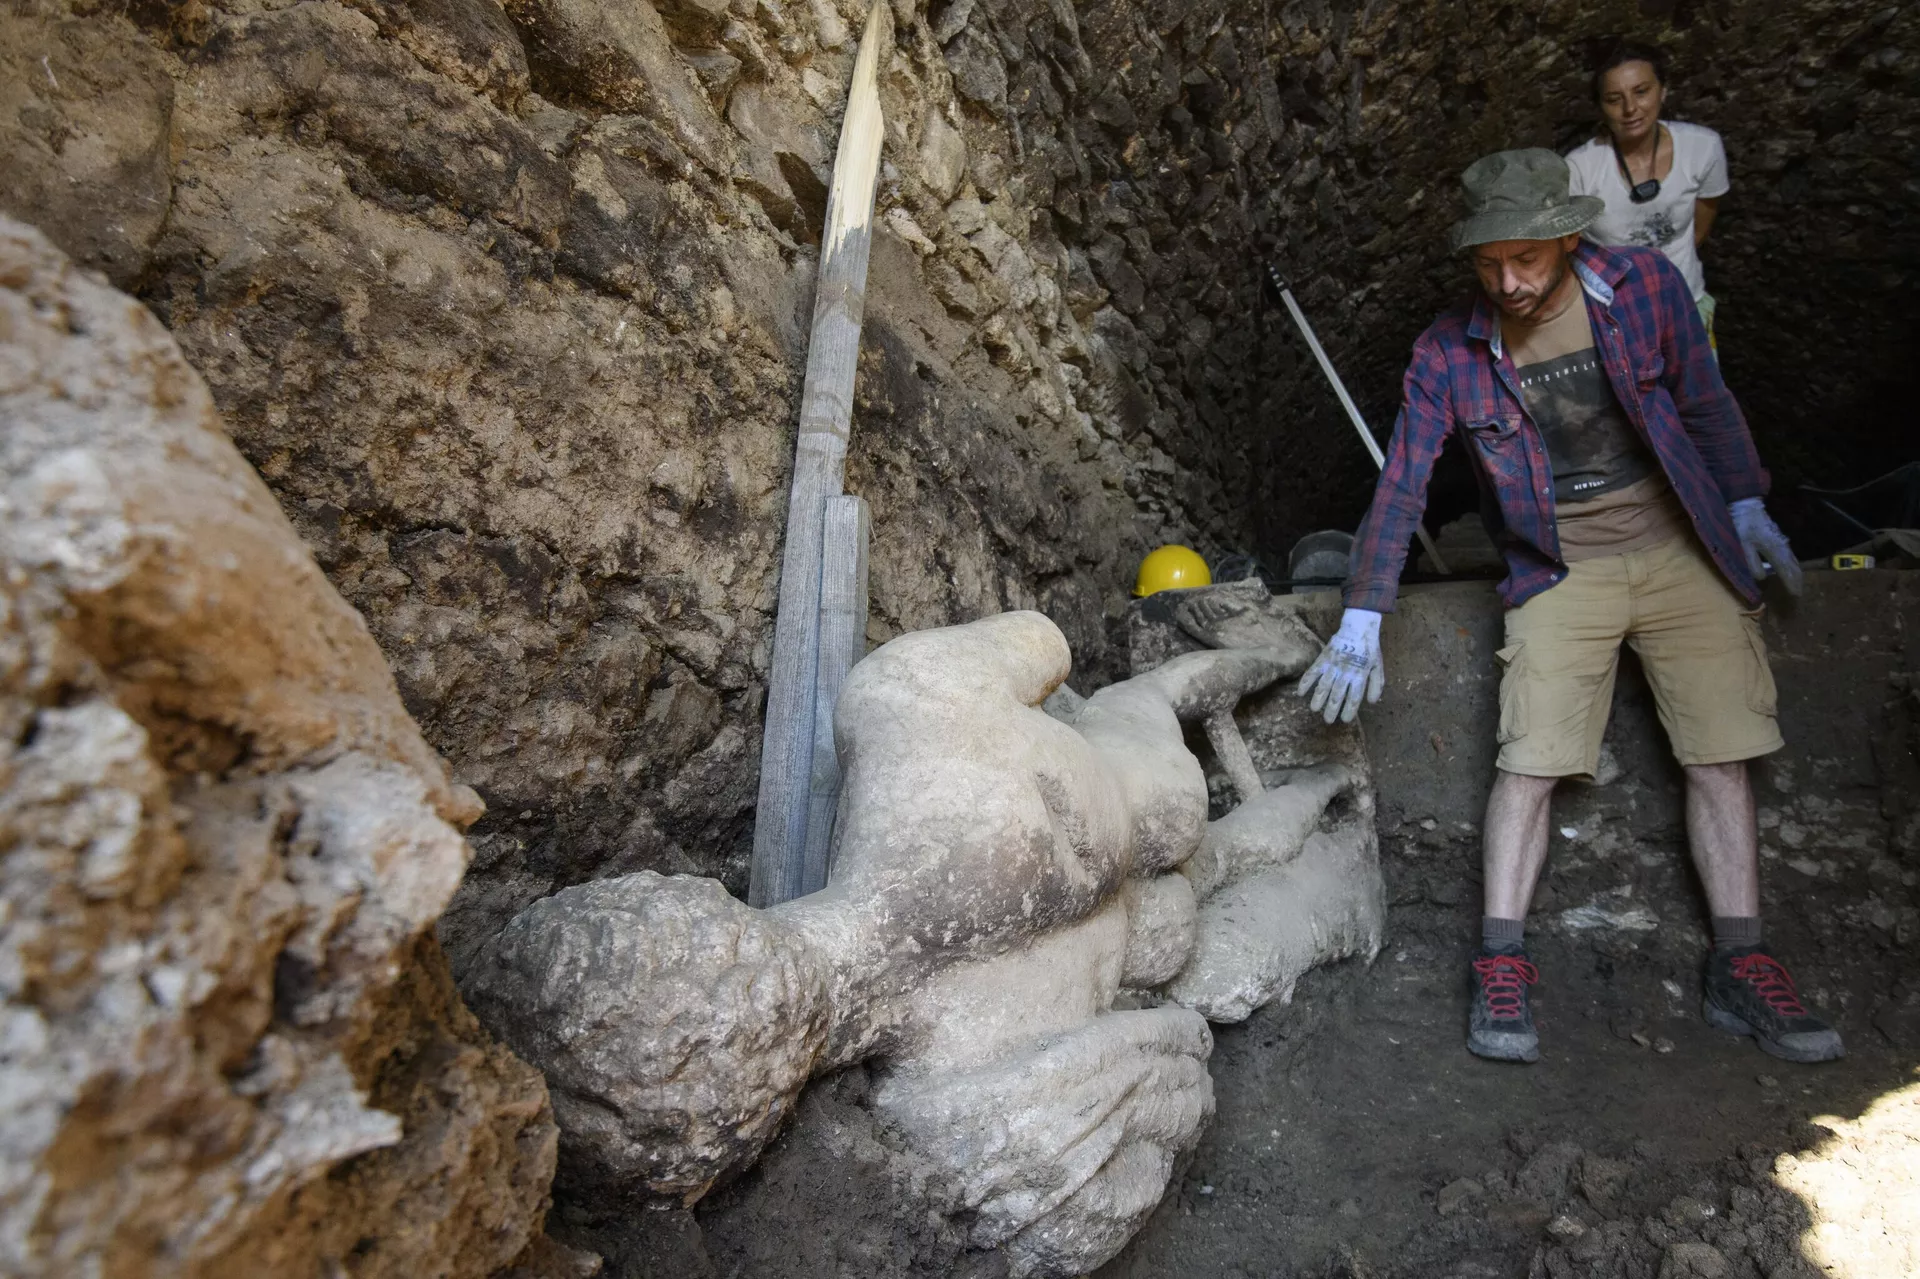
pixel 1629 500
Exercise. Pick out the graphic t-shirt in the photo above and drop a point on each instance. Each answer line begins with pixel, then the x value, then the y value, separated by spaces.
pixel 1666 221
pixel 1609 493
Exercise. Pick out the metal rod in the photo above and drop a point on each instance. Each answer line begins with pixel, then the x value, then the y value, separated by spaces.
pixel 1848 518
pixel 1346 402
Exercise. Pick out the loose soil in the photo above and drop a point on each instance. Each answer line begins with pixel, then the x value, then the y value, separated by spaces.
pixel 1357 1137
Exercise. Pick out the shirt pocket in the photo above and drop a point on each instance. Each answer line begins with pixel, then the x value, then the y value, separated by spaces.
pixel 1652 369
pixel 1499 444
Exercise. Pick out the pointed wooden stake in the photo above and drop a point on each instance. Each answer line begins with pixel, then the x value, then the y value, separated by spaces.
pixel 819 473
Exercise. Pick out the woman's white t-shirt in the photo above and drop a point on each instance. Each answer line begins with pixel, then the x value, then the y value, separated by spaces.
pixel 1666 221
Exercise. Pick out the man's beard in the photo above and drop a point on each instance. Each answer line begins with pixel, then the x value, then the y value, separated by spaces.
pixel 1526 307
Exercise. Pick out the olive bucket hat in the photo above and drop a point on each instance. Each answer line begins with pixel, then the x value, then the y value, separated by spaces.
pixel 1521 195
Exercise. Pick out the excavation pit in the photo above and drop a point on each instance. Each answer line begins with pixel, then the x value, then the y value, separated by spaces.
pixel 507 305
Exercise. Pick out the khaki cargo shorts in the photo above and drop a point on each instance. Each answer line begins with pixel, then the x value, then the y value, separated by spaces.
pixel 1698 642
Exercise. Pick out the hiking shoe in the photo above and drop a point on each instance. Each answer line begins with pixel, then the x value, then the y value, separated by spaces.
pixel 1500 1026
pixel 1749 992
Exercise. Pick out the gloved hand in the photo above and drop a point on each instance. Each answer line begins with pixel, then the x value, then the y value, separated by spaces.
pixel 1764 543
pixel 1348 666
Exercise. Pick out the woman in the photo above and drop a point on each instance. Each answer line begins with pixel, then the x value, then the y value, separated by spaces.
pixel 1661 180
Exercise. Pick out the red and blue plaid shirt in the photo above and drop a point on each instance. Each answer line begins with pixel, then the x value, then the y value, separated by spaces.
pixel 1654 348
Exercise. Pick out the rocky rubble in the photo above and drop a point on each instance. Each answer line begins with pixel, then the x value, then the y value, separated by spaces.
pixel 228 1042
pixel 1601 1217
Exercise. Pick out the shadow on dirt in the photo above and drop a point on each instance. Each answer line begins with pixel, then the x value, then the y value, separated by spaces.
pixel 1357 1137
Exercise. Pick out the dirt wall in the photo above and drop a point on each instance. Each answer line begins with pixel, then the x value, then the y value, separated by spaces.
pixel 1843 656
pixel 506 305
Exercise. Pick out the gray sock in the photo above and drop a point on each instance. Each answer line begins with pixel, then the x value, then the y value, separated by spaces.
pixel 1733 931
pixel 1502 936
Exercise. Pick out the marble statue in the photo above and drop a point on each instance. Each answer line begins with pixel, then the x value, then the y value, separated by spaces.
pixel 1028 925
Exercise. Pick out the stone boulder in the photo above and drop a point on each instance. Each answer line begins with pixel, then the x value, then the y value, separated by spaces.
pixel 228 1041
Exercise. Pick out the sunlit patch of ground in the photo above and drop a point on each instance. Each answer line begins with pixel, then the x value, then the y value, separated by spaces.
pixel 1863 1186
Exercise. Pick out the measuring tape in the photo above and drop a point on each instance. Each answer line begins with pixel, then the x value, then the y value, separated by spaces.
pixel 1852 561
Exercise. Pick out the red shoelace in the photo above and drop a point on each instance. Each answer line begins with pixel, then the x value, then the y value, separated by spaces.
pixel 1771 981
pixel 1505 979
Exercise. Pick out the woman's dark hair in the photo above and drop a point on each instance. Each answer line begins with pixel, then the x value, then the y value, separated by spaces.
pixel 1621 52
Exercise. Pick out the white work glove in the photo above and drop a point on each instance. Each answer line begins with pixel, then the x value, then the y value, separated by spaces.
pixel 1347 667
pixel 1764 543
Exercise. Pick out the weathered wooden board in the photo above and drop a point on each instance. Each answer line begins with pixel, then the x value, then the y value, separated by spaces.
pixel 819 470
pixel 843 641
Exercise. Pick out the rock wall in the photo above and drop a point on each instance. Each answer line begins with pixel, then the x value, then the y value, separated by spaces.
pixel 228 1041
pixel 507 304
pixel 1328 138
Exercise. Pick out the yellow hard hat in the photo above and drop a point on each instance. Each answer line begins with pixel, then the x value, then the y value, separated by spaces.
pixel 1169 568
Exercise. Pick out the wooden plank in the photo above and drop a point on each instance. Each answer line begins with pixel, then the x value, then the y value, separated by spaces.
pixel 786 750
pixel 819 471
pixel 843 641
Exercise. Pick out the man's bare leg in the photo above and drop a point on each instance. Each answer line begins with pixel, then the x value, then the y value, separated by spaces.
pixel 1749 992
pixel 1500 1023
pixel 1726 844
pixel 1515 841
